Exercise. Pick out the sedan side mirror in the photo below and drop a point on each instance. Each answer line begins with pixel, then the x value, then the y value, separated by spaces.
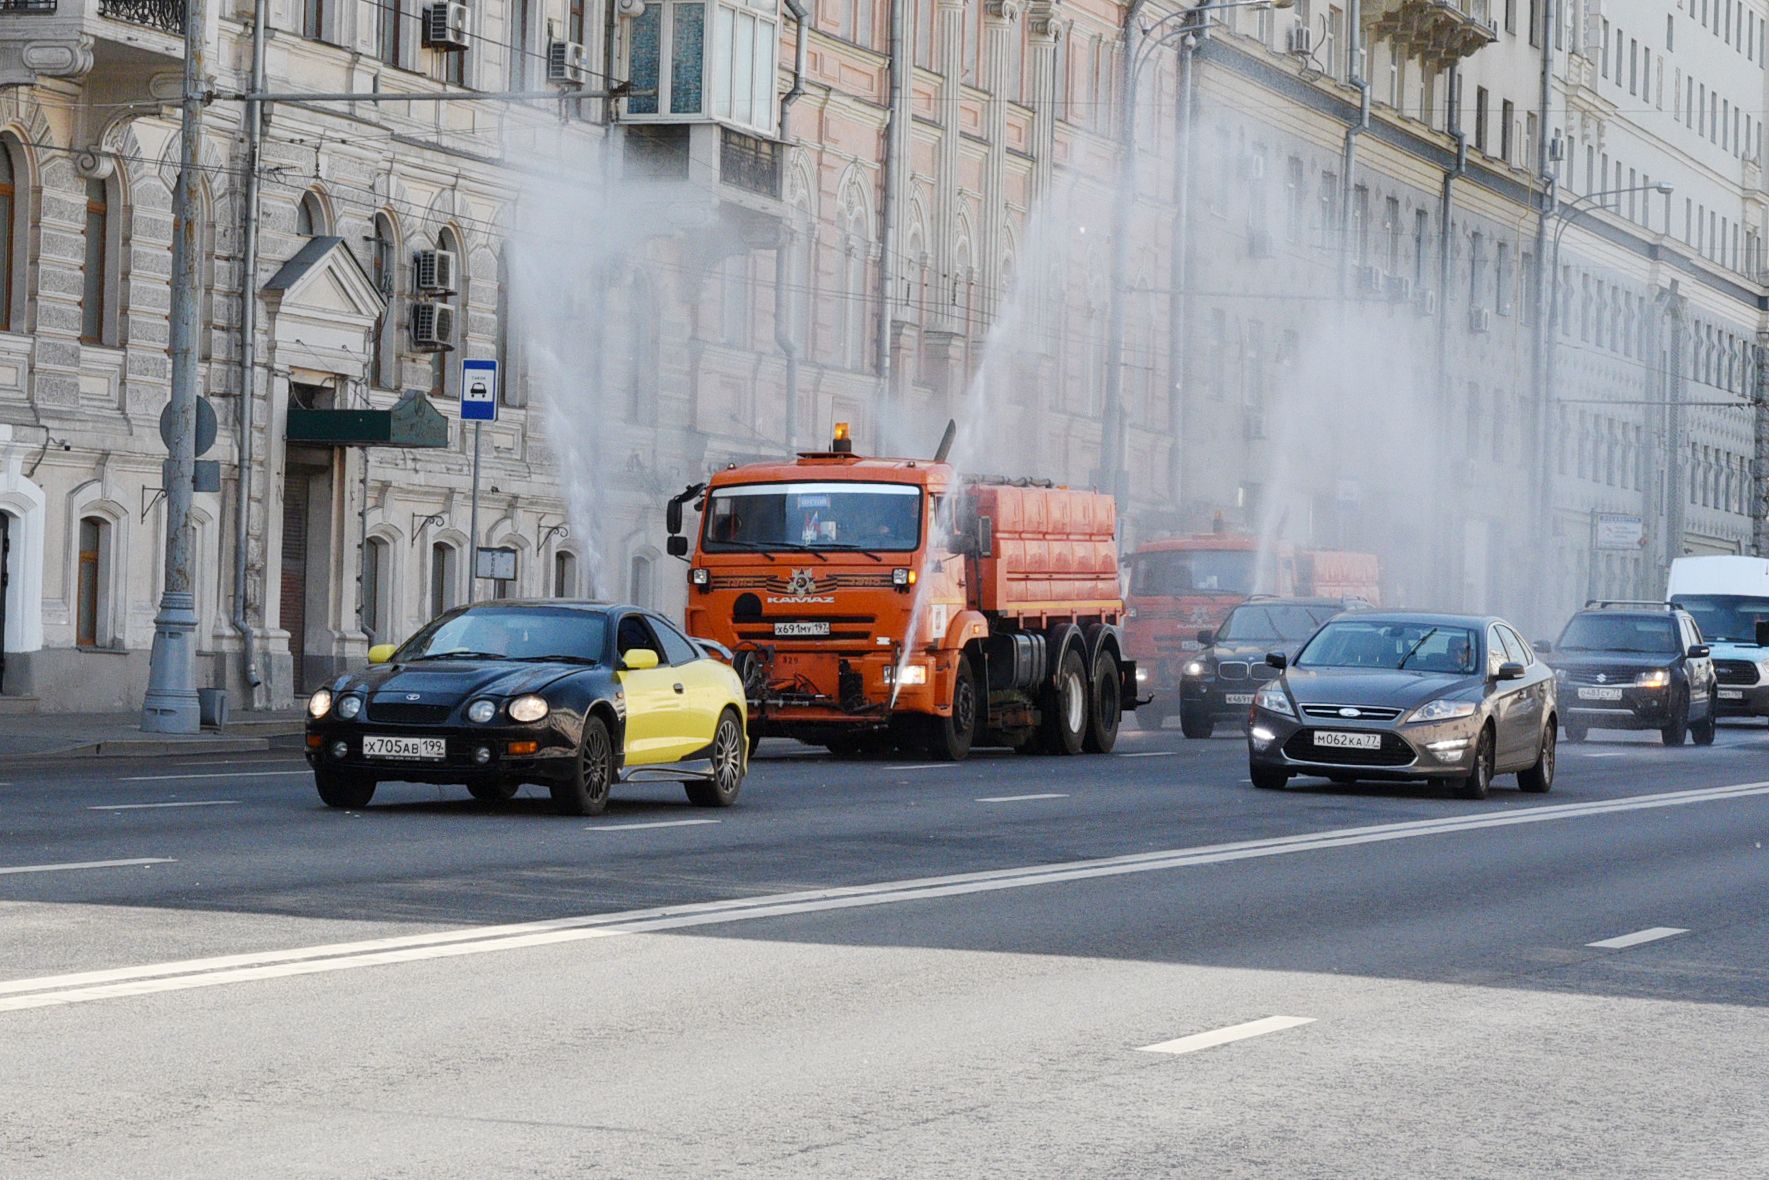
pixel 1277 659
pixel 381 653
pixel 1544 648
pixel 640 659
pixel 1206 637
pixel 1699 651
pixel 1510 670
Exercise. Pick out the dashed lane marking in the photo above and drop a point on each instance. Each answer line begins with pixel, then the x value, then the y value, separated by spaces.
pixel 1624 941
pixel 667 823
pixel 162 778
pixel 1224 1036
pixel 1016 798
pixel 1152 754
pixel 87 864
pixel 156 806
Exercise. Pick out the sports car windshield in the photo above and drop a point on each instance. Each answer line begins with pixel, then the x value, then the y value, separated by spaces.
pixel 874 517
pixel 1255 624
pixel 1726 618
pixel 1655 636
pixel 511 633
pixel 1414 647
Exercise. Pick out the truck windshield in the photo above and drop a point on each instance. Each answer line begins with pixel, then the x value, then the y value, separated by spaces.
pixel 1417 647
pixel 881 517
pixel 1192 571
pixel 1597 632
pixel 1263 623
pixel 1726 618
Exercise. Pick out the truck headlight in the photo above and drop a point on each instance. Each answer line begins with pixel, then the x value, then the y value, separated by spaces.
pixel 900 578
pixel 320 703
pixel 528 708
pixel 914 674
pixel 700 577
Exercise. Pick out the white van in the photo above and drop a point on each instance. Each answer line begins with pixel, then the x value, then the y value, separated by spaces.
pixel 1729 598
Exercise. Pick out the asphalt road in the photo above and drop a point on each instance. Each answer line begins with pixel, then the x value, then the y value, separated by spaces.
pixel 1119 966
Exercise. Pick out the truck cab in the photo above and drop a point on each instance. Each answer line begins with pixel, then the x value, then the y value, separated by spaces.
pixel 1729 599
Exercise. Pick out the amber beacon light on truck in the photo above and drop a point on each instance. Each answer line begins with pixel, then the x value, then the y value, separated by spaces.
pixel 889 602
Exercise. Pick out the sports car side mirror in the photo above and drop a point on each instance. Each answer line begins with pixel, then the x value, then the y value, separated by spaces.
pixel 381 653
pixel 640 659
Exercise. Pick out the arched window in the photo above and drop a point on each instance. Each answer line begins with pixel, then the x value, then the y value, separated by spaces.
pixel 509 380
pixel 92 583
pixel 446 373
pixel 444 575
pixel 377 573
pixel 564 575
pixel 384 272
pixel 639 581
pixel 855 246
pixel 310 216
pixel 14 196
pixel 96 280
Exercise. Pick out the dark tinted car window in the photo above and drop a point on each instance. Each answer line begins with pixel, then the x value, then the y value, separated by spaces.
pixel 676 648
pixel 1726 617
pixel 1416 647
pixel 1263 623
pixel 1654 635
pixel 635 635
pixel 520 633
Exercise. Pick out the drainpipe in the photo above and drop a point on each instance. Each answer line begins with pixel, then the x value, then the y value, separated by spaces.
pixel 783 326
pixel 896 128
pixel 1179 303
pixel 1545 343
pixel 1354 74
pixel 1447 560
pixel 248 375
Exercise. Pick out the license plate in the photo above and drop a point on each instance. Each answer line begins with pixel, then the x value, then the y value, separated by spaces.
pixel 1600 694
pixel 800 630
pixel 1238 698
pixel 408 749
pixel 1331 740
pixel 1732 694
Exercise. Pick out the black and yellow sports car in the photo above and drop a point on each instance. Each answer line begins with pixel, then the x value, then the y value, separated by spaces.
pixel 573 695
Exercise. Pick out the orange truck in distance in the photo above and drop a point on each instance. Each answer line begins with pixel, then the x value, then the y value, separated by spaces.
pixel 873 603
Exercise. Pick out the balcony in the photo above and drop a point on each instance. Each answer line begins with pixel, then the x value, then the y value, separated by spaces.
pixel 708 180
pixel 750 164
pixel 121 39
pixel 1438 33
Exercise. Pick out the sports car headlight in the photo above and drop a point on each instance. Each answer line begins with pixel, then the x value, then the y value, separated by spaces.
pixel 1195 668
pixel 528 708
pixel 479 712
pixel 320 703
pixel 1273 699
pixel 1443 710
pixel 349 707
pixel 1657 678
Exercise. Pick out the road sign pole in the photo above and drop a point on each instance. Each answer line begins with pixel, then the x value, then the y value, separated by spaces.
pixel 473 522
pixel 479 405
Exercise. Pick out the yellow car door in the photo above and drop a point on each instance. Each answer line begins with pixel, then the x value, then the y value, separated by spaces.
pixel 653 702
pixel 705 687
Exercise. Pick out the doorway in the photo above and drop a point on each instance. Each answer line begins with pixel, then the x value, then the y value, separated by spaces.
pixel 5 587
pixel 307 547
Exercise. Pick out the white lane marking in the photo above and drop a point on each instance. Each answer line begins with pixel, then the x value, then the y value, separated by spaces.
pixel 1624 941
pixel 924 766
pixel 153 806
pixel 161 778
pixel 1605 753
pixel 1153 754
pixel 82 987
pixel 1016 798
pixel 668 823
pixel 87 864
pixel 1224 1036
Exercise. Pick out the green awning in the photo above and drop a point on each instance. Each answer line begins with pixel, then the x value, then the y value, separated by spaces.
pixel 412 422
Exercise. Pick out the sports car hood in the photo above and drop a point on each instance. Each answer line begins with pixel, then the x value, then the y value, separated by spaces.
pixel 1371 686
pixel 437 681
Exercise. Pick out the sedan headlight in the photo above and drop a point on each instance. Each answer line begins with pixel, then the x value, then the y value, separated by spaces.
pixel 349 707
pixel 1274 699
pixel 479 712
pixel 1443 710
pixel 320 703
pixel 528 708
pixel 1196 668
pixel 1657 678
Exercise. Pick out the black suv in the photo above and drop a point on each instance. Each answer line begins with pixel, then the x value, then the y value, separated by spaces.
pixel 1218 683
pixel 1634 665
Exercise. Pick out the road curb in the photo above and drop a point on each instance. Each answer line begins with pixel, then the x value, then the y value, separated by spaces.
pixel 161 748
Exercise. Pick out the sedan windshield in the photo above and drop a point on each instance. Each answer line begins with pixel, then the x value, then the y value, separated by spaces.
pixel 1259 624
pixel 1654 636
pixel 1192 571
pixel 1415 647
pixel 1726 618
pixel 883 517
pixel 510 633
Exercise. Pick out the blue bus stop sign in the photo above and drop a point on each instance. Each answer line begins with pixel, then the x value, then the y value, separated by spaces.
pixel 479 391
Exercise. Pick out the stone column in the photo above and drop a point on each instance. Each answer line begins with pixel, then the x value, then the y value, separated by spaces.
pixel 998 24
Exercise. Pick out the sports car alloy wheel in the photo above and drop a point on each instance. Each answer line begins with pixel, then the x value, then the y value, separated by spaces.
pixel 585 791
pixel 726 769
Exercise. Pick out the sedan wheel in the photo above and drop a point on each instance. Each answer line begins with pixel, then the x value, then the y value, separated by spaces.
pixel 1540 777
pixel 727 766
pixel 343 790
pixel 1480 779
pixel 1266 779
pixel 585 792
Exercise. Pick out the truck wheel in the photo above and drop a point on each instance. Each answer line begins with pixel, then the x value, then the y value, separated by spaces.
pixel 1064 725
pixel 949 738
pixel 1106 705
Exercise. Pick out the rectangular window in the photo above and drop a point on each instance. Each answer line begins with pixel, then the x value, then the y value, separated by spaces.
pixel 1391 224
pixel 1421 239
pixel 1511 16
pixel 313 19
pixel 1633 66
pixel 1670 32
pixel 1480 101
pixel 1476 270
pixel 1603 50
pixel 389 22
pixel 687 58
pixel 1296 199
pixel 1535 22
pixel 92 293
pixel 1507 116
pixel 1360 223
pixel 1502 278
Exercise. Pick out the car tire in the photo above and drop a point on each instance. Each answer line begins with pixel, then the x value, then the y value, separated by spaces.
pixel 949 738
pixel 1342 780
pixel 1267 779
pixel 337 789
pixel 1574 733
pixel 1105 711
pixel 1478 781
pixel 494 792
pixel 1063 727
pixel 585 791
pixel 1677 731
pixel 1539 779
pixel 1195 727
pixel 1702 734
pixel 728 765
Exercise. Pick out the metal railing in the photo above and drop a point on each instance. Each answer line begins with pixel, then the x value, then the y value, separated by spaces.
pixel 166 15
pixel 750 164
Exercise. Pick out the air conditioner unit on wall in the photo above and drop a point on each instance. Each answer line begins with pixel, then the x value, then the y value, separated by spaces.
pixel 566 63
pixel 445 27
pixel 433 327
pixel 433 272
pixel 1371 280
pixel 630 8
pixel 1480 319
pixel 1300 41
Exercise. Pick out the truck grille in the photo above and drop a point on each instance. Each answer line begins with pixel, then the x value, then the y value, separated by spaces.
pixel 1736 672
pixel 404 713
pixel 1394 752
pixel 1364 712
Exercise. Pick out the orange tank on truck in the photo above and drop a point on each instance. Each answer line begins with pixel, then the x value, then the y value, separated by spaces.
pixel 873 603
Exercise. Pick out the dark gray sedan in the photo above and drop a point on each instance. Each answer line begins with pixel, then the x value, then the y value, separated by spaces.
pixel 1455 699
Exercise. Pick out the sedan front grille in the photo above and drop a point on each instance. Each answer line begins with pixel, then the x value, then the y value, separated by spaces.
pixel 1742 672
pixel 1364 712
pixel 1393 752
pixel 1232 670
pixel 406 713
pixel 1604 676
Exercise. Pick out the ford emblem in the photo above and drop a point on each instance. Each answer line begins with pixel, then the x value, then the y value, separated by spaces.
pixel 1350 713
pixel 414 696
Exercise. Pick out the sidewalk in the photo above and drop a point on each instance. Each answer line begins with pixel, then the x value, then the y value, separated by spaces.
pixel 119 735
